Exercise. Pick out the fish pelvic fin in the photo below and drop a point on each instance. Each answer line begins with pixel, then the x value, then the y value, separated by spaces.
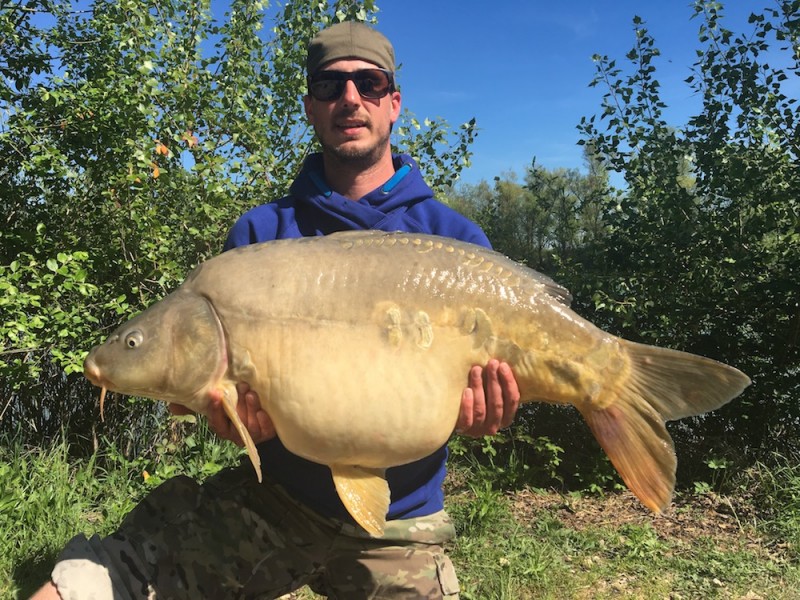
pixel 230 399
pixel 365 494
pixel 664 385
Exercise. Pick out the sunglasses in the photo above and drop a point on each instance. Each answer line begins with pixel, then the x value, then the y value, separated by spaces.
pixel 370 83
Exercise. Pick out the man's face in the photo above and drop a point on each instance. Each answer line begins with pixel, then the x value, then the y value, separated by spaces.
pixel 352 128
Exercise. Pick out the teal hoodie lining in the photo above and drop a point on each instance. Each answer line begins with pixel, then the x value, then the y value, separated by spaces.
pixel 387 187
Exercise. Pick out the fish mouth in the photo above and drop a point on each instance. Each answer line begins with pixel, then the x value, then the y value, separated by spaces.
pixel 92 372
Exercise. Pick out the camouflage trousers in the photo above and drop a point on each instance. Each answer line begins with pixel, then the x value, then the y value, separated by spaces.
pixel 235 538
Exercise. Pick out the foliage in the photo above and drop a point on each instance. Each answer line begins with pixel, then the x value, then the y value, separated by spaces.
pixel 703 248
pixel 547 447
pixel 440 152
pixel 132 135
pixel 699 251
pixel 511 459
pixel 178 446
pixel 542 220
pixel 44 304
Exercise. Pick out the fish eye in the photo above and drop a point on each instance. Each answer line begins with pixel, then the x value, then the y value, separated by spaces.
pixel 133 339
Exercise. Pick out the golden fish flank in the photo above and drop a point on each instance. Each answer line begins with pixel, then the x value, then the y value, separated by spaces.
pixel 402 303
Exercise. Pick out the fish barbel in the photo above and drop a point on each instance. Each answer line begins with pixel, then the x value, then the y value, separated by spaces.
pixel 358 345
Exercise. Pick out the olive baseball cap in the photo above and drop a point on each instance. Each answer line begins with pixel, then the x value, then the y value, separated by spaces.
pixel 349 39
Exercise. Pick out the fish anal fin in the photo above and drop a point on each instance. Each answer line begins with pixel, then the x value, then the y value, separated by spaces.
pixel 230 398
pixel 365 494
pixel 640 448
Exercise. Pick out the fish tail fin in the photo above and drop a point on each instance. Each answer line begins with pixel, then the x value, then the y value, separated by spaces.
pixel 663 385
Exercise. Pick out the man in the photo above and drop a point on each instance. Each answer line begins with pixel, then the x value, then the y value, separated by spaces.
pixel 232 537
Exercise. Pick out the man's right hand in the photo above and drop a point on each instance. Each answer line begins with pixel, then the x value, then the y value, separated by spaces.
pixel 255 419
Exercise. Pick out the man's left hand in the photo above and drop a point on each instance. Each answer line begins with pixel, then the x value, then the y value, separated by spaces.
pixel 255 418
pixel 490 401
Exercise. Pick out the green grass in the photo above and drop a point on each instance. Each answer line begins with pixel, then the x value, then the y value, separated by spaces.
pixel 546 558
pixel 510 545
pixel 46 499
pixel 495 555
pixel 777 493
pixel 526 544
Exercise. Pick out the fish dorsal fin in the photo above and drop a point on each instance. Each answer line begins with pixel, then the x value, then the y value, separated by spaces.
pixel 365 494
pixel 230 398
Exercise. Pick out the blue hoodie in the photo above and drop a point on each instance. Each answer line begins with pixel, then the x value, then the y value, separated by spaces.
pixel 404 203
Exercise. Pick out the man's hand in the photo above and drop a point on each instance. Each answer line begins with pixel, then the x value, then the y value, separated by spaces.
pixel 255 419
pixel 490 402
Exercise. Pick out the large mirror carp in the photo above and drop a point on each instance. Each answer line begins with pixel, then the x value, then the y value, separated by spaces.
pixel 358 345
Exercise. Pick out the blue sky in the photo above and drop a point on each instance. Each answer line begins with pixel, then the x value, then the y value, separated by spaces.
pixel 522 68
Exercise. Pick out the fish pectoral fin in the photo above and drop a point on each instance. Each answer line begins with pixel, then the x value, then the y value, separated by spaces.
pixel 230 399
pixel 636 440
pixel 365 494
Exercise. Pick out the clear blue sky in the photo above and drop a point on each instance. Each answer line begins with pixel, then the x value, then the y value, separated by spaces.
pixel 522 67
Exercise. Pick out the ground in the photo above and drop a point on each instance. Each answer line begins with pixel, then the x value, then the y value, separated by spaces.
pixel 688 538
pixel 708 516
pixel 701 521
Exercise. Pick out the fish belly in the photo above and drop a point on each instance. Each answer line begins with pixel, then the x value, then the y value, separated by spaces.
pixel 343 393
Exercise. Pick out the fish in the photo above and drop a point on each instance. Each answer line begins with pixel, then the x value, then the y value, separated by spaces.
pixel 358 345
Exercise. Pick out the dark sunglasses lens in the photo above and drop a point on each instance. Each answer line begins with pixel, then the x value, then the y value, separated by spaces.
pixel 372 84
pixel 327 89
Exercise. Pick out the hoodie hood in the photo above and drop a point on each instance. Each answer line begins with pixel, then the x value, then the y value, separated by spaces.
pixel 403 203
pixel 329 211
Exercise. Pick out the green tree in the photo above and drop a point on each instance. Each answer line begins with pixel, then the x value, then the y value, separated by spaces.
pixel 542 221
pixel 703 248
pixel 132 135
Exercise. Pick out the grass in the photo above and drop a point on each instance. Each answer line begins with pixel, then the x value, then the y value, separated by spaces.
pixel 46 499
pixel 495 555
pixel 560 550
pixel 510 545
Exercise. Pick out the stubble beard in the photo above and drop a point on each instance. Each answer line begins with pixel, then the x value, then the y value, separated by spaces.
pixel 355 156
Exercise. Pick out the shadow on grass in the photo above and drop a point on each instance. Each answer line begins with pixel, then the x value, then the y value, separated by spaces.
pixel 29 575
